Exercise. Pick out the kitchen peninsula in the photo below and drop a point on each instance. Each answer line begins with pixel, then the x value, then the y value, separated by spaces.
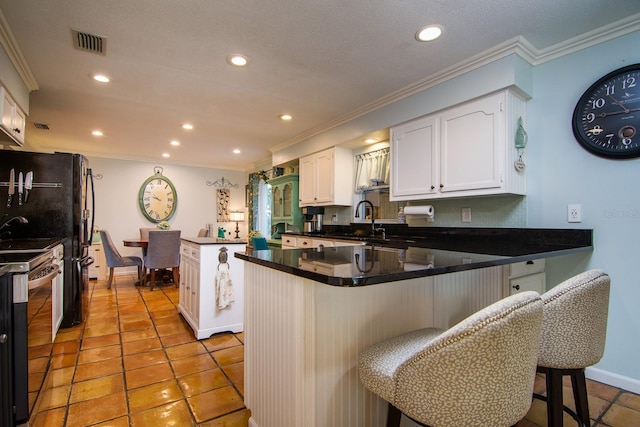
pixel 309 312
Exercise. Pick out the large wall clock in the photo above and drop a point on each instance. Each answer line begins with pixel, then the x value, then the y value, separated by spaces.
pixel 157 197
pixel 606 119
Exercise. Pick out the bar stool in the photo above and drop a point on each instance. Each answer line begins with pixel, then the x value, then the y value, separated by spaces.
pixel 573 335
pixel 478 373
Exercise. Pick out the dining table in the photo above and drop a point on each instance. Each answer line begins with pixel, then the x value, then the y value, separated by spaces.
pixel 143 242
pixel 137 242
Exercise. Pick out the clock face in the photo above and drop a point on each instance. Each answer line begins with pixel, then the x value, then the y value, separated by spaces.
pixel 158 198
pixel 606 120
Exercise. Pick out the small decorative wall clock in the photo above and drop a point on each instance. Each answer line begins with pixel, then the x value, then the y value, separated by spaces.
pixel 158 197
pixel 606 119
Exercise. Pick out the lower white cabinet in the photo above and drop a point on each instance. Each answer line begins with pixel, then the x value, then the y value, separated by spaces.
pixel 302 242
pixel 199 265
pixel 57 292
pixel 525 276
pixel 97 270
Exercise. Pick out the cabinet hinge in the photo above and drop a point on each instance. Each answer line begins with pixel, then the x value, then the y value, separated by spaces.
pixel 501 109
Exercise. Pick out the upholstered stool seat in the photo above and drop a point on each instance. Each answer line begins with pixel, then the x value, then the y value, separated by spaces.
pixel 479 373
pixel 573 336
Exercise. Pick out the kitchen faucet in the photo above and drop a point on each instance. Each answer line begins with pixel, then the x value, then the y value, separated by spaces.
pixel 7 223
pixel 373 218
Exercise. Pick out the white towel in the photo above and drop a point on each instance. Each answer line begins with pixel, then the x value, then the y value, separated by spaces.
pixel 224 289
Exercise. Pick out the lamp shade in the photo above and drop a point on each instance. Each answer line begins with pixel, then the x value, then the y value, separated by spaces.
pixel 236 216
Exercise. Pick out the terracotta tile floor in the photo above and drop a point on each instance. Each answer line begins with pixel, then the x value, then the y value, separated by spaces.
pixel 135 362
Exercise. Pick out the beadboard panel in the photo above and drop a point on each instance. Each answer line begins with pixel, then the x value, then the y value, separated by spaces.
pixel 302 339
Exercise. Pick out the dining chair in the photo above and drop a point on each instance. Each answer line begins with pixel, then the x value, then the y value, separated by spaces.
pixel 144 234
pixel 163 252
pixel 478 373
pixel 259 243
pixel 114 259
pixel 574 330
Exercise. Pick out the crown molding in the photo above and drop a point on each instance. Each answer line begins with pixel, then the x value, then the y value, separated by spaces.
pixel 517 45
pixel 15 55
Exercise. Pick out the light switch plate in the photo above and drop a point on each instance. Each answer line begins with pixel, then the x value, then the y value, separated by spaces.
pixel 466 214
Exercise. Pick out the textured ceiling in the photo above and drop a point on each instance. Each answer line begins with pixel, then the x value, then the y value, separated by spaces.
pixel 318 60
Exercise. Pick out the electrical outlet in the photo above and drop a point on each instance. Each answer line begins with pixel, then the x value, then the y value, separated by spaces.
pixel 574 213
pixel 466 214
pixel 334 218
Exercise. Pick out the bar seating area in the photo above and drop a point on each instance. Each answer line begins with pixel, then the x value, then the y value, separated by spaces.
pixel 491 359
pixel 480 372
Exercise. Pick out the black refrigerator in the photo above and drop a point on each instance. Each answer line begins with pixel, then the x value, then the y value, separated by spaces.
pixel 60 204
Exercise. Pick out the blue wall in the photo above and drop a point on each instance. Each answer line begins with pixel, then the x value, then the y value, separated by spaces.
pixel 561 172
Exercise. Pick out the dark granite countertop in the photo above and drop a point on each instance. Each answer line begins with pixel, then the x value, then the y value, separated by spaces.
pixel 214 241
pixel 422 253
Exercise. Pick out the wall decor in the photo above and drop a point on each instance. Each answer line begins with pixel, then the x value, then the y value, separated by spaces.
pixel 606 119
pixel 157 197
pixel 223 195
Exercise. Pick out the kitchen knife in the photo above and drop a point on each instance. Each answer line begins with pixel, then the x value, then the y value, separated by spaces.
pixel 28 183
pixel 20 188
pixel 12 183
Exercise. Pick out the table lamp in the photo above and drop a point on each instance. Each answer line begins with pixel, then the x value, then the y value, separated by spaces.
pixel 236 217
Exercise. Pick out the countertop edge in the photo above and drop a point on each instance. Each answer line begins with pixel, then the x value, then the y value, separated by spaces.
pixel 396 276
pixel 213 241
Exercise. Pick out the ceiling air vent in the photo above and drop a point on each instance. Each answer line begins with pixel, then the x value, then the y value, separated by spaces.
pixel 42 126
pixel 89 42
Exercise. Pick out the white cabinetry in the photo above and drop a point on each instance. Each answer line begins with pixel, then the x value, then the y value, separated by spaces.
pixel 57 292
pixel 198 268
pixel 97 270
pixel 13 120
pixel 525 276
pixel 326 178
pixel 289 242
pixel 466 150
pixel 302 242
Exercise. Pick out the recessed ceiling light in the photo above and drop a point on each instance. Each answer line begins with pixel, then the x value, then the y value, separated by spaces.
pixel 428 33
pixel 236 151
pixel 96 133
pixel 187 126
pixel 100 78
pixel 166 155
pixel 237 60
pixel 370 140
pixel 175 143
pixel 285 117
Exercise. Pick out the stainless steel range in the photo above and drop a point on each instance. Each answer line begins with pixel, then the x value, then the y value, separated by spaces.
pixel 24 265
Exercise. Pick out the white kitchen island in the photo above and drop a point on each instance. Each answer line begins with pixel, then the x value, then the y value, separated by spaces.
pixel 199 264
pixel 304 329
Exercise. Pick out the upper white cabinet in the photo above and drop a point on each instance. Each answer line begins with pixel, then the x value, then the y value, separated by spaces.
pixel 13 120
pixel 466 150
pixel 326 178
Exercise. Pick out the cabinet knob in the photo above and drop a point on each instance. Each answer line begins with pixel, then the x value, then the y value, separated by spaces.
pixel 529 262
pixel 441 185
pixel 16 130
pixel 433 187
pixel 516 287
